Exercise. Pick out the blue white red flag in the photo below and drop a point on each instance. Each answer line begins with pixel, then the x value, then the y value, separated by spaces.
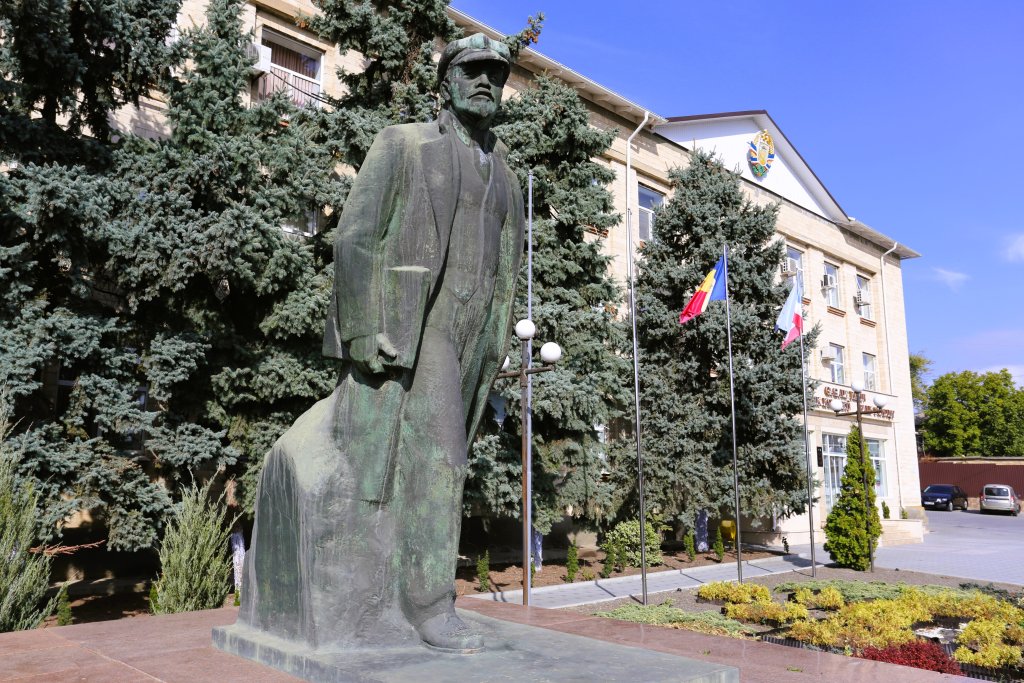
pixel 791 319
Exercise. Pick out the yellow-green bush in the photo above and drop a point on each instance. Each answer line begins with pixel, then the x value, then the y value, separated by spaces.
pixel 734 593
pixel 964 604
pixel 803 596
pixel 993 656
pixel 767 612
pixel 828 598
pixel 861 624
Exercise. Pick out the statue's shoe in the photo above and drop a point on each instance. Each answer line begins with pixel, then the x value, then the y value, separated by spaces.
pixel 448 633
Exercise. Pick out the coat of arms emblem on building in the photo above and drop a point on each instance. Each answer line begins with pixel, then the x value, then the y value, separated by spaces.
pixel 761 153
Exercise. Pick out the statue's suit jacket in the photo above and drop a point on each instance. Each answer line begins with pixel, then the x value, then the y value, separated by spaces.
pixel 389 256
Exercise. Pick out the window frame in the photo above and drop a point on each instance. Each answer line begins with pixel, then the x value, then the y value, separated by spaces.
pixel 870 370
pixel 831 294
pixel 864 285
pixel 271 82
pixel 837 368
pixel 646 213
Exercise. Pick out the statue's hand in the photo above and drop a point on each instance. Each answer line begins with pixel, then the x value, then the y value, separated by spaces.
pixel 369 353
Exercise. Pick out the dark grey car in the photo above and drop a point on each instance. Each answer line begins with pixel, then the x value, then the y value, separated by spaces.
pixel 943 497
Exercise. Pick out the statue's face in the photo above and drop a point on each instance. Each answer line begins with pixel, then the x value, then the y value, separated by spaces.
pixel 475 90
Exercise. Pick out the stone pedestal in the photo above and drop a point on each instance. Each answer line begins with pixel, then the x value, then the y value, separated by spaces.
pixel 514 652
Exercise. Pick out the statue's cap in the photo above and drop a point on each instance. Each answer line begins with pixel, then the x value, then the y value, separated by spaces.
pixel 473 48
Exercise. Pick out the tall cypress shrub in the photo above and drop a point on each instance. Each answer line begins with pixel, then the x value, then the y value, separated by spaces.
pixel 853 526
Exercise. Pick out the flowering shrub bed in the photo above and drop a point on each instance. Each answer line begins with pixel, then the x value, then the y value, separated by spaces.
pixel 992 637
pixel 767 613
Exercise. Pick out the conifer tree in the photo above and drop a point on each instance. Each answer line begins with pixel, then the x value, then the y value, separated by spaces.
pixel 228 307
pixel 547 130
pixel 853 522
pixel 685 406
pixel 398 83
pixel 67 68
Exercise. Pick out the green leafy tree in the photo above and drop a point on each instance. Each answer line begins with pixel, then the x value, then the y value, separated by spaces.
pixel 972 414
pixel 853 523
pixel 68 67
pixel 684 398
pixel 920 368
pixel 574 302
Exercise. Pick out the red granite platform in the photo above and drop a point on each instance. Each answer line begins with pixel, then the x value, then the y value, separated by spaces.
pixel 176 648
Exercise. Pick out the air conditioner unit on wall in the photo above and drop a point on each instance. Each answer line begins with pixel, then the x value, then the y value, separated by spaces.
pixel 828 282
pixel 790 267
pixel 261 53
pixel 828 355
pixel 862 298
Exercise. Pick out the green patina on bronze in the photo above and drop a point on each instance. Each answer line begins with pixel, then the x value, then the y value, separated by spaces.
pixel 359 505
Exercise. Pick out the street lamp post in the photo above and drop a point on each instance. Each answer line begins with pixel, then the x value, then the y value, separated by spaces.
pixel 837 405
pixel 550 353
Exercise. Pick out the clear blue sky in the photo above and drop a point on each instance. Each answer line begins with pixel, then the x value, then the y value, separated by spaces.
pixel 910 112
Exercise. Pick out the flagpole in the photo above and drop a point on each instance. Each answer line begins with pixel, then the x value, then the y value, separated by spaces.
pixel 631 276
pixel 732 404
pixel 807 446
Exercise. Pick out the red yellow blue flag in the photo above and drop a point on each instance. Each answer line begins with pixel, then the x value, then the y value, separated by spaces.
pixel 712 289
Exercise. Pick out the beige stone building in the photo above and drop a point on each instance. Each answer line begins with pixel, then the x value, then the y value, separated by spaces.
pixel 852 273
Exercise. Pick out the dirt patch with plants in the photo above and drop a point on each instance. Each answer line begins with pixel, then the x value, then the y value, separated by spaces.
pixel 931 622
pixel 508 577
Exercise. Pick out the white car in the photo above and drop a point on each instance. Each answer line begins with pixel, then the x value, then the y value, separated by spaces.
pixel 999 498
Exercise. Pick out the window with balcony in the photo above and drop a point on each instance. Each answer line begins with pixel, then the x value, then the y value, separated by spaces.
pixel 862 299
pixel 870 372
pixel 294 68
pixel 649 200
pixel 830 285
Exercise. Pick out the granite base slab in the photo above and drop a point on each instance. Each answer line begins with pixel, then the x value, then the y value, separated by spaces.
pixel 513 652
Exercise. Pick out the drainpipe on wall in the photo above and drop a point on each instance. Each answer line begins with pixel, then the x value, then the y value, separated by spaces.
pixel 888 364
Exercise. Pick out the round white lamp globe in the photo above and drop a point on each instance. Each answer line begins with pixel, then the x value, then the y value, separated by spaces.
pixel 857 386
pixel 504 366
pixel 880 401
pixel 525 329
pixel 551 352
pixel 835 404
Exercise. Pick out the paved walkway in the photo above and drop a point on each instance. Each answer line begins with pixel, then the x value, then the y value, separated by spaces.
pixel 602 590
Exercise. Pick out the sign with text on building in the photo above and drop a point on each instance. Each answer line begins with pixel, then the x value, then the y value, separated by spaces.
pixel 761 153
pixel 823 397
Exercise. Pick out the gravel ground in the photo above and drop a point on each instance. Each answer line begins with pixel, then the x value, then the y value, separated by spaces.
pixel 687 598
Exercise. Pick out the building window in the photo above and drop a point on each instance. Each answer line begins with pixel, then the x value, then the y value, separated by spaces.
pixel 838 365
pixel 294 68
pixel 862 299
pixel 870 372
pixel 833 449
pixel 877 455
pixel 649 201
pixel 305 224
pixel 794 265
pixel 830 285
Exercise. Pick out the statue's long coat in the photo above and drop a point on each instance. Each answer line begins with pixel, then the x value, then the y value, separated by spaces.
pixel 326 566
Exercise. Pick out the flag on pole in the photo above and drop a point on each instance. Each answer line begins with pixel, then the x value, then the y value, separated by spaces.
pixel 791 319
pixel 712 289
